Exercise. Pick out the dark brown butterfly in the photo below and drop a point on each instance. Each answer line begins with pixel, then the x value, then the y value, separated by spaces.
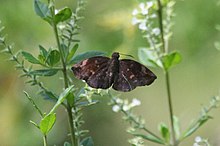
pixel 103 72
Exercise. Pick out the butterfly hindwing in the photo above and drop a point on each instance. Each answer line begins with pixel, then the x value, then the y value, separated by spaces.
pixel 132 74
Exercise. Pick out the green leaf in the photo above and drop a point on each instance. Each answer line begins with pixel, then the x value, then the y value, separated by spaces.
pixel 43 51
pixel 164 132
pixel 171 59
pixel 42 10
pixel 30 58
pixel 87 142
pixel 85 55
pixel 44 72
pixel 149 137
pixel 176 126
pixel 67 144
pixel 70 99
pixel 72 52
pixel 62 97
pixel 149 57
pixel 53 57
pixel 47 123
pixel 195 126
pixel 62 15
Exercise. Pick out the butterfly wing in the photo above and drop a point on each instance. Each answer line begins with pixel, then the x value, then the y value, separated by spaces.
pixel 132 74
pixel 94 71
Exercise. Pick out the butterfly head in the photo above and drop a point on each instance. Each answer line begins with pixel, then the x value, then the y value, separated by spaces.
pixel 115 55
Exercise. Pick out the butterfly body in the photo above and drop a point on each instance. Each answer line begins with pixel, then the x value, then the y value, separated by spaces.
pixel 103 72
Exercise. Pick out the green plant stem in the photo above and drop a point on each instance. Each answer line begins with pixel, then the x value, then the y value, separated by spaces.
pixel 45 140
pixel 68 107
pixel 170 108
pixel 160 18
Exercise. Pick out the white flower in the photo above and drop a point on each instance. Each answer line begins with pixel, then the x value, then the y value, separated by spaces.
pixel 56 11
pixel 142 26
pixel 144 11
pixel 116 108
pixel 153 16
pixel 198 139
pixel 156 31
pixel 118 100
pixel 125 107
pixel 135 12
pixel 61 26
pixel 135 102
pixel 149 4
pixel 142 6
pixel 196 144
pixel 135 21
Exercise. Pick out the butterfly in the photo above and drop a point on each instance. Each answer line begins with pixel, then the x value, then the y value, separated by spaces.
pixel 103 72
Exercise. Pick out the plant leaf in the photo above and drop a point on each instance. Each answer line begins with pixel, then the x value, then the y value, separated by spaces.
pixel 72 52
pixel 195 126
pixel 62 97
pixel 62 15
pixel 44 72
pixel 53 57
pixel 42 10
pixel 85 55
pixel 164 132
pixel 149 137
pixel 47 123
pixel 30 58
pixel 87 142
pixel 43 51
pixel 171 59
pixel 149 57
pixel 176 126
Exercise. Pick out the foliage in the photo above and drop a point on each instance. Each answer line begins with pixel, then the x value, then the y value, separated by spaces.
pixel 49 62
pixel 154 20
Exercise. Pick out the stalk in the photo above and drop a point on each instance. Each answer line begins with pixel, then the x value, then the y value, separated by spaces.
pixel 64 70
pixel 45 140
pixel 160 18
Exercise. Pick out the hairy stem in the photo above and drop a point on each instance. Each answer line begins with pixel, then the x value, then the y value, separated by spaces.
pixel 160 18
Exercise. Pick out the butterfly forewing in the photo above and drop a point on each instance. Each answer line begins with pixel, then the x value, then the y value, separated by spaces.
pixel 87 68
pixel 132 74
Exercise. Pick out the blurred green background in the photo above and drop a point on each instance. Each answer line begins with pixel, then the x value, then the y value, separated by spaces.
pixel 107 27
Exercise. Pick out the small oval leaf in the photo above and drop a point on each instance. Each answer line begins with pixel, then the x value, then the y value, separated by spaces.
pixel 164 132
pixel 30 58
pixel 62 15
pixel 47 123
pixel 72 52
pixel 44 72
pixel 53 57
pixel 62 97
pixel 42 10
pixel 171 59
pixel 149 57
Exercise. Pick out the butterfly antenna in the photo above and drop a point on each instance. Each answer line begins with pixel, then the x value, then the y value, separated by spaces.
pixel 127 55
